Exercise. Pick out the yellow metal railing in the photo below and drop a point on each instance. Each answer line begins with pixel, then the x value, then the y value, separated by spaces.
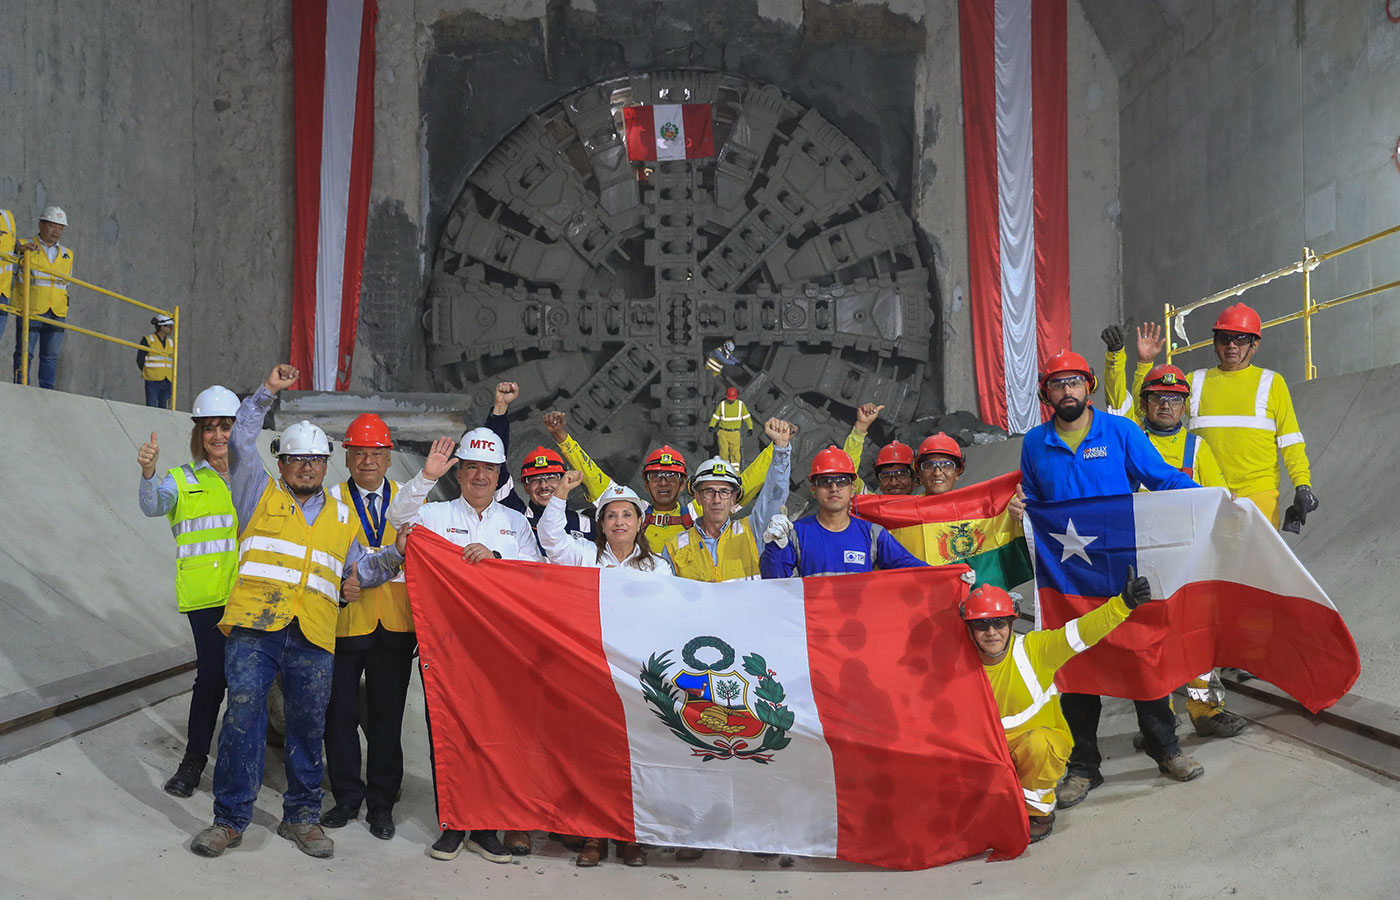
pixel 1303 266
pixel 24 278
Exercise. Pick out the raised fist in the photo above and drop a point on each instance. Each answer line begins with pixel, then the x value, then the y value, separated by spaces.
pixel 779 431
pixel 556 423
pixel 567 482
pixel 281 376
pixel 506 394
pixel 1112 338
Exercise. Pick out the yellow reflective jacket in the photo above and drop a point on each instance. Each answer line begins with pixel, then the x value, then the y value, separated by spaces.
pixel 47 291
pixel 386 604
pixel 1247 417
pixel 737 553
pixel 159 362
pixel 7 246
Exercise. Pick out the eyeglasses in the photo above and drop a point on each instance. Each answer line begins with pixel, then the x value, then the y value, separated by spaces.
pixel 1239 340
pixel 721 493
pixel 662 476
pixel 1170 401
pixel 1066 381
pixel 833 481
pixel 547 478
pixel 989 624
pixel 942 465
pixel 892 474
pixel 289 460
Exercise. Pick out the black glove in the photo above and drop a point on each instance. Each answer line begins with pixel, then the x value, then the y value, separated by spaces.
pixel 1296 516
pixel 1137 591
pixel 1113 338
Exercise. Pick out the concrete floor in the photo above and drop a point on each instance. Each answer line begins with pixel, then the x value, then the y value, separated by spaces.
pixel 1271 818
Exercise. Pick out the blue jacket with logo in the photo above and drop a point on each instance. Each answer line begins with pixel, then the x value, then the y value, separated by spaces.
pixel 862 547
pixel 1114 458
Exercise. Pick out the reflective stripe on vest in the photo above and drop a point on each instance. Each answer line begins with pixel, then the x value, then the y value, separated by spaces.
pixel 158 366
pixel 206 535
pixel 1260 421
pixel 736 550
pixel 47 291
pixel 1039 696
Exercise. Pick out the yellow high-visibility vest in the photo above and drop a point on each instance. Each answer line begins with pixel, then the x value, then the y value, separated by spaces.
pixel 387 604
pixel 7 245
pixel 48 293
pixel 160 358
pixel 737 551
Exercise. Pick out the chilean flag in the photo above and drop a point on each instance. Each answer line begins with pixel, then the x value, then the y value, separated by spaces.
pixel 333 127
pixel 669 131
pixel 832 717
pixel 1228 592
pixel 1015 133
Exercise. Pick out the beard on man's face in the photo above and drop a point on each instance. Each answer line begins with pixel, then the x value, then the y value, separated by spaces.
pixel 1070 409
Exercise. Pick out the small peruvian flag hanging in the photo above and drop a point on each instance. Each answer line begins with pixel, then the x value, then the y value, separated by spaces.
pixel 669 131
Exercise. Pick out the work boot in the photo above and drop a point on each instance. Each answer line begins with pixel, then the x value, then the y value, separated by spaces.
pixel 1222 724
pixel 186 777
pixel 381 823
pixel 489 847
pixel 337 816
pixel 631 853
pixel 448 844
pixel 310 838
pixel 1041 826
pixel 689 854
pixel 1074 789
pixel 214 840
pixel 594 849
pixel 1179 766
pixel 517 843
pixel 570 841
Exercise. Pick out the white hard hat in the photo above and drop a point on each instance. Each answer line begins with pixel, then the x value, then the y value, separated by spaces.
pixel 482 445
pixel 716 468
pixel 618 492
pixel 55 215
pixel 158 321
pixel 302 439
pixel 214 401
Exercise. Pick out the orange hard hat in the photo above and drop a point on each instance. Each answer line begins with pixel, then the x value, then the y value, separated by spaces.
pixel 987 601
pixel 895 453
pixel 832 461
pixel 368 430
pixel 941 444
pixel 1166 380
pixel 1239 318
pixel 664 459
pixel 542 461
pixel 1068 361
pixel 731 393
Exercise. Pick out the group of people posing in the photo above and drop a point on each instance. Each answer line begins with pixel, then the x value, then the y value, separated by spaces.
pixel 286 578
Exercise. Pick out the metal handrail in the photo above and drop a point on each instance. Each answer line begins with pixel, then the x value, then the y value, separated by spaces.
pixel 1303 266
pixel 22 310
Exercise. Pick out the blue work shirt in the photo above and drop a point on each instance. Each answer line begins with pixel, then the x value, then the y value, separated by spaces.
pixel 1114 457
pixel 813 550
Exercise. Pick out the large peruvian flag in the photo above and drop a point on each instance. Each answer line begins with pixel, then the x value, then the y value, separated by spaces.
pixel 1231 594
pixel 669 131
pixel 1015 136
pixel 835 717
pixel 333 127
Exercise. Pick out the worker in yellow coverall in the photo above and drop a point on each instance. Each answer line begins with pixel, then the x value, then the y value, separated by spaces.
pixel 1021 669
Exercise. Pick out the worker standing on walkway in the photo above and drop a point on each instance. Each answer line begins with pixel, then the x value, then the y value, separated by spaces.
pixel 8 236
pixel 731 415
pixel 195 498
pixel 50 263
pixel 1080 453
pixel 374 638
pixel 1021 669
pixel 484 529
pixel 157 362
pixel 299 557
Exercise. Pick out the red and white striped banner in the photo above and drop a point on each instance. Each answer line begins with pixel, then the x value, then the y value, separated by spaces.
pixel 669 131
pixel 1015 132
pixel 333 94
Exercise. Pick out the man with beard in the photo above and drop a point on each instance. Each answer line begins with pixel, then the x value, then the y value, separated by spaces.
pixel 1079 453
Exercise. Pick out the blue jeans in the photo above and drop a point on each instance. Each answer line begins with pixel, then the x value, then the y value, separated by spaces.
pixel 50 341
pixel 158 394
pixel 251 660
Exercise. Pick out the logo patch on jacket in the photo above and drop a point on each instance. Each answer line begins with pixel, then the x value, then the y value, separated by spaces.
pixel 855 556
pixel 508 531
pixel 1095 452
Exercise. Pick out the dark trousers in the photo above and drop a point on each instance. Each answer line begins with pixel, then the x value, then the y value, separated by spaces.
pixel 1155 719
pixel 209 684
pixel 158 394
pixel 385 658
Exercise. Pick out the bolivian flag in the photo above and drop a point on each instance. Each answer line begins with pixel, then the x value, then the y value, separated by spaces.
pixel 968 525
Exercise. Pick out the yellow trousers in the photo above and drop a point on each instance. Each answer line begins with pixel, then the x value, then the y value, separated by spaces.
pixel 1267 501
pixel 1040 756
pixel 730 443
pixel 1205 696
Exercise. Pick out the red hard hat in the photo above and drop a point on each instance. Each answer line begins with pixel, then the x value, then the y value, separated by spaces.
pixel 1166 380
pixel 987 601
pixel 895 453
pixel 1239 318
pixel 832 461
pixel 731 393
pixel 1068 361
pixel 542 461
pixel 368 430
pixel 664 459
pixel 941 444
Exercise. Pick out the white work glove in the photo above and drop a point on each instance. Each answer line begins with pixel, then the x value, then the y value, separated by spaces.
pixel 779 531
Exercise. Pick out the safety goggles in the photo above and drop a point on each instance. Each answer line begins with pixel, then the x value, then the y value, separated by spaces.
pixel 1066 381
pixel 547 478
pixel 304 460
pixel 895 473
pixel 989 624
pixel 708 493
pixel 1170 401
pixel 662 476
pixel 1229 337
pixel 833 481
pixel 934 463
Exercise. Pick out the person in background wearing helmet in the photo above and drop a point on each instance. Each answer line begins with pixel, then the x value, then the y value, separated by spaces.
pixel 830 542
pixel 299 557
pixel 374 637
pixel 618 542
pixel 894 469
pixel 663 478
pixel 540 473
pixel 157 362
pixel 8 235
pixel 721 356
pixel 939 463
pixel 1021 669
pixel 195 498
pixel 1246 414
pixel 730 416
pixel 484 528
pixel 1077 454
pixel 50 263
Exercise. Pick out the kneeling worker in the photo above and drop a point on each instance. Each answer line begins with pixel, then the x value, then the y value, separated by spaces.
pixel 1021 669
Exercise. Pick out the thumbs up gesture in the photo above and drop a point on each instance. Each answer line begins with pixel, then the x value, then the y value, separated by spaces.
pixel 147 456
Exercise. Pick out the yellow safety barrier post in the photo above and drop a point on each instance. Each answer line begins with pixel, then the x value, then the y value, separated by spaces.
pixel 24 323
